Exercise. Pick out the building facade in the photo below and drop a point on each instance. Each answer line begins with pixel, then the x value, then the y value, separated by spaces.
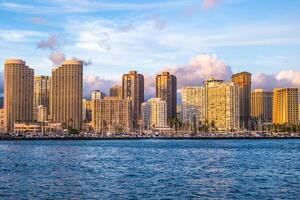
pixel 18 93
pixel 133 90
pixel 41 91
pixel 116 91
pixel 166 89
pixel 261 105
pixel 97 94
pixel 285 106
pixel 159 113
pixel 193 103
pixel 243 80
pixel 112 114
pixel 146 115
pixel 66 94
pixel 222 104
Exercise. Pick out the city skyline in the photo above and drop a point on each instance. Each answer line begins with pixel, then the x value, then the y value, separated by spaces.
pixel 153 36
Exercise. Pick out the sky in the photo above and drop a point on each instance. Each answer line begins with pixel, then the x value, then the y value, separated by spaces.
pixel 193 39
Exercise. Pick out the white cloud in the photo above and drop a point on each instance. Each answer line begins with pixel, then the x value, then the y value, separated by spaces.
pixel 14 35
pixel 284 78
pixel 86 6
pixel 57 58
pixel 200 68
pixel 94 82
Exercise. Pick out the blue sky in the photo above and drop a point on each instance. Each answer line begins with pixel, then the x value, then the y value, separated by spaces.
pixel 260 36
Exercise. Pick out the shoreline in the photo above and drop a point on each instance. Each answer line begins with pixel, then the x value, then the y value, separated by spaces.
pixel 147 138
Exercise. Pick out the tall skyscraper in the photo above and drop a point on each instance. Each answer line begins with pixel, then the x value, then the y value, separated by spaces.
pixel 166 89
pixel 261 105
pixel 18 93
pixel 41 91
pixel 285 106
pixel 97 94
pixel 133 89
pixel 66 94
pixel 193 103
pixel 116 91
pixel 222 103
pixel 112 114
pixel 243 80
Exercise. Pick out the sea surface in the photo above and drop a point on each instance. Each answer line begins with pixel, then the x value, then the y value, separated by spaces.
pixel 150 169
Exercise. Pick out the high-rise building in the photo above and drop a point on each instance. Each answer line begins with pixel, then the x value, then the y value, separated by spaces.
pixel 193 103
pixel 154 114
pixel 222 103
pixel 146 115
pixel 116 91
pixel 41 91
pixel 87 110
pixel 261 105
pixel 112 114
pixel 18 93
pixel 285 106
pixel 133 90
pixel 166 89
pixel 66 94
pixel 97 94
pixel 243 80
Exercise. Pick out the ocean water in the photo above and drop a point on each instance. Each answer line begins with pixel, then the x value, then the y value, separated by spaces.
pixel 150 169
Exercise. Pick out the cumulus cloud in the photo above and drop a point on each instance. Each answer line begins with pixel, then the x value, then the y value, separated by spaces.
pixel 85 62
pixel 49 43
pixel 270 81
pixel 57 58
pixel 200 68
pixel 208 4
pixel 93 82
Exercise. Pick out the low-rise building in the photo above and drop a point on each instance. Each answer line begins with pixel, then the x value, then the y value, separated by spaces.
pixel 112 114
pixel 27 127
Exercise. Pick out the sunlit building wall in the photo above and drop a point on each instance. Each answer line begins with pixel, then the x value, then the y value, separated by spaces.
pixel 166 89
pixel 66 94
pixel 285 106
pixel 18 93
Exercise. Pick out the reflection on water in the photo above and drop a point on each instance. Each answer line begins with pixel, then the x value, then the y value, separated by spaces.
pixel 150 169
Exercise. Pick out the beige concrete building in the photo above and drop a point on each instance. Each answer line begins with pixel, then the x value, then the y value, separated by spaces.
pixel 112 114
pixel 285 106
pixel 146 115
pixel 41 91
pixel 87 110
pixel 97 94
pixel 18 93
pixel 154 114
pixel 159 113
pixel 27 127
pixel 66 94
pixel 116 91
pixel 193 103
pixel 166 89
pixel 243 80
pixel 261 105
pixel 222 103
pixel 40 114
pixel 133 90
